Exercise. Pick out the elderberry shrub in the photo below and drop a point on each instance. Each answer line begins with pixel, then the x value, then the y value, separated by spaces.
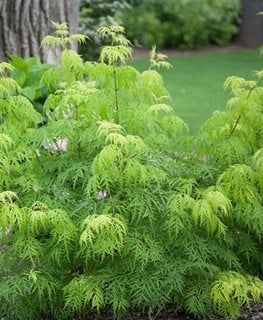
pixel 110 203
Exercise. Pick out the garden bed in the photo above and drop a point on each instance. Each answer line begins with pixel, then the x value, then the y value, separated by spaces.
pixel 256 313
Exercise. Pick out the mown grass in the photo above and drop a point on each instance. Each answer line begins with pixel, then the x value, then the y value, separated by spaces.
pixel 196 81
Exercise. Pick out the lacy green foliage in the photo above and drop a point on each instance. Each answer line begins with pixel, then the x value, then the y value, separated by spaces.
pixel 157 60
pixel 61 37
pixel 181 23
pixel 119 50
pixel 111 204
pixel 232 290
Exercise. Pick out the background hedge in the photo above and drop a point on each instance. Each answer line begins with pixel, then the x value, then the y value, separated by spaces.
pixel 166 23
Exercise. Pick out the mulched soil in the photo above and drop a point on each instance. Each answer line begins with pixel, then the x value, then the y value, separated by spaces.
pixel 256 313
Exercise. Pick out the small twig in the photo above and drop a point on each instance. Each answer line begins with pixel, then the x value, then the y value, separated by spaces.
pixel 116 89
pixel 15 116
pixel 78 143
pixel 239 116
pixel 150 314
pixel 153 317
pixel 38 160
pixel 235 125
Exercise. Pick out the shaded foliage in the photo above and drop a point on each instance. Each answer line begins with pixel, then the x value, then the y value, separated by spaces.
pixel 181 23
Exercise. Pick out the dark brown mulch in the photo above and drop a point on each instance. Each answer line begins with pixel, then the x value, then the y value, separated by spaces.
pixel 256 313
pixel 167 314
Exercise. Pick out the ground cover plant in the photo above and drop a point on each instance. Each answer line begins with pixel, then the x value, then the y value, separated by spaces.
pixel 196 81
pixel 110 203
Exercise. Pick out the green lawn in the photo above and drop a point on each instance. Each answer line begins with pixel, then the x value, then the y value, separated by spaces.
pixel 196 81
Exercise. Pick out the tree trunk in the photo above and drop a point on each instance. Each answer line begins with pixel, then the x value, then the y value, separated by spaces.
pixel 251 29
pixel 24 23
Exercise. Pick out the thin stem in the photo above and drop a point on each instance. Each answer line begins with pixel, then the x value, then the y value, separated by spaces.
pixel 78 143
pixel 38 160
pixel 239 116
pixel 235 125
pixel 116 89
pixel 15 116
pixel 78 149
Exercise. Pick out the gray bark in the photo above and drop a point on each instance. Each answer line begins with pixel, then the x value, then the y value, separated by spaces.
pixel 24 23
pixel 251 29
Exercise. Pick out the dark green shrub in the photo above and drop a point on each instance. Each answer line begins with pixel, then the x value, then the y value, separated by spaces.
pixel 95 14
pixel 112 204
pixel 182 23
